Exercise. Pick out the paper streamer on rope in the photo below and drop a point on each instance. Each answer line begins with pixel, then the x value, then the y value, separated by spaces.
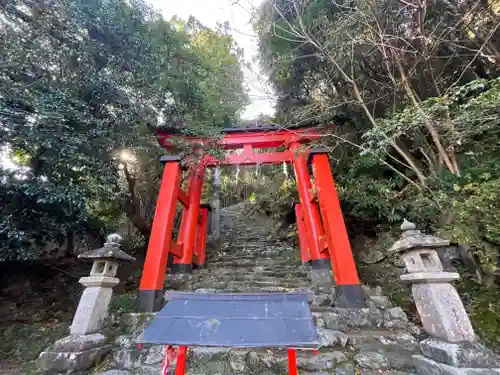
pixel 237 173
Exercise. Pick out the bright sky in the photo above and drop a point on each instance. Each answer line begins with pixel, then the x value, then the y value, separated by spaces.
pixel 238 14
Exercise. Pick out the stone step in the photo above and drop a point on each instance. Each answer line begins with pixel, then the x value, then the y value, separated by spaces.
pixel 211 360
pixel 248 272
pixel 250 289
pixel 240 285
pixel 277 264
pixel 251 251
pixel 259 278
pixel 348 320
pixel 254 259
pixel 380 338
pixel 251 279
pixel 352 341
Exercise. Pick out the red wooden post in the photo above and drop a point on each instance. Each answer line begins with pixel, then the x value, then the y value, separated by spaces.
pixel 187 237
pixel 314 228
pixel 201 237
pixel 350 293
pixel 155 265
pixel 180 367
pixel 302 233
pixel 292 362
pixel 182 226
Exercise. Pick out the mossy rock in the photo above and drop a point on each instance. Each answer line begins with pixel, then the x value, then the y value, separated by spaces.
pixel 483 305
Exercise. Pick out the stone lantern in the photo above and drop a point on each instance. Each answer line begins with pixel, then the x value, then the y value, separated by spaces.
pixel 94 302
pixel 86 345
pixel 451 348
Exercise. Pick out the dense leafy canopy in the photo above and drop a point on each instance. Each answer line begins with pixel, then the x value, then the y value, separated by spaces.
pixel 367 60
pixel 414 83
pixel 80 83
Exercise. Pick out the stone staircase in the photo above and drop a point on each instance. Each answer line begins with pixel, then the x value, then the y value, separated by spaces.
pixel 376 340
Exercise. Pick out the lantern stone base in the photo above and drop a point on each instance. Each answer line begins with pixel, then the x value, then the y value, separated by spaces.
pixel 464 355
pixel 465 358
pixel 426 366
pixel 74 353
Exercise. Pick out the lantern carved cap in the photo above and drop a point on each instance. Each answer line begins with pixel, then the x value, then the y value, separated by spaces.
pixel 111 250
pixel 412 239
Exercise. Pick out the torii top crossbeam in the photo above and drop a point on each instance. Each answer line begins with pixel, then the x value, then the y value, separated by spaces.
pixel 249 138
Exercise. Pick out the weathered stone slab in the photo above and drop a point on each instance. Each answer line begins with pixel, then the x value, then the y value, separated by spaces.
pixel 426 366
pixel 381 302
pixel 465 354
pixel 154 355
pixel 80 343
pixel 401 340
pixel 237 362
pixel 323 361
pixel 125 341
pixel 400 360
pixel 147 370
pixel 114 372
pixel 321 277
pixel 321 299
pixel 442 312
pixel 372 360
pixel 396 313
pixel 207 354
pixel 126 358
pixel 252 360
pixel 345 368
pixel 134 323
pixel 69 362
pixel 328 337
pixel 346 319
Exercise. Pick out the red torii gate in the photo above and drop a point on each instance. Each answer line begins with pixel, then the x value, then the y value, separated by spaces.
pixel 322 234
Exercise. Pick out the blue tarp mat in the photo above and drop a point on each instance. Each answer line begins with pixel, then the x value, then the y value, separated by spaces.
pixel 234 320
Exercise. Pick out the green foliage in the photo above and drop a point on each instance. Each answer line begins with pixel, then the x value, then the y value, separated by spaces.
pixel 24 342
pixel 123 304
pixel 367 195
pixel 315 53
pixel 81 81
pixel 476 221
pixel 464 113
pixel 278 198
pixel 36 212
pixel 483 305
pixel 468 204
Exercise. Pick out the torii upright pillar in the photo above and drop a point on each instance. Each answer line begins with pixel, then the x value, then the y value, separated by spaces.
pixel 187 237
pixel 348 287
pixel 155 266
